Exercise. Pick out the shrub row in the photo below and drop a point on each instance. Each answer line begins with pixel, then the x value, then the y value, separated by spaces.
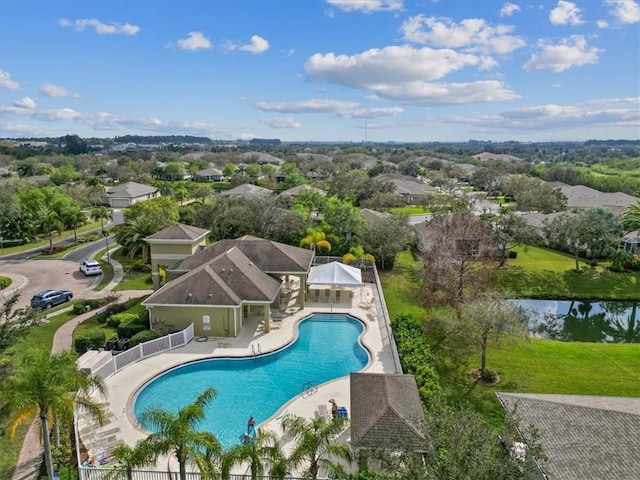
pixel 89 341
pixel 415 355
pixel 81 306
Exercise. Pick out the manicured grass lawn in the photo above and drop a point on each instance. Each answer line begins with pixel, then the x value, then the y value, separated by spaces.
pixel 91 225
pixel 409 210
pixel 543 273
pixel 132 280
pixel 6 281
pixel 537 366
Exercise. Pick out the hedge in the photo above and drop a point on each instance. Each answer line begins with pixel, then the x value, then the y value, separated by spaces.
pixel 143 336
pixel 129 328
pixel 114 321
pixel 89 341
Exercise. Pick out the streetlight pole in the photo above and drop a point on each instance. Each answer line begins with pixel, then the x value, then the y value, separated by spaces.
pixel 106 239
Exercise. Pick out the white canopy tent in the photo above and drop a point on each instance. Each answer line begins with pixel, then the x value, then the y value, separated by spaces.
pixel 335 274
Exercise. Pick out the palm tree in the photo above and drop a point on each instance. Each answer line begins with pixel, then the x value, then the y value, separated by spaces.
pixel 41 385
pixel 357 256
pixel 314 445
pixel 73 218
pixel 50 225
pixel 101 213
pixel 131 235
pixel 176 432
pixel 127 459
pixel 315 239
pixel 263 453
pixel 630 219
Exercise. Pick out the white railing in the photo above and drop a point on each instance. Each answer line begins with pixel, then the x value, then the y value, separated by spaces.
pixel 144 350
pixel 99 473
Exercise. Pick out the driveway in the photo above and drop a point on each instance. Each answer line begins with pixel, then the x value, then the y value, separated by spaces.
pixel 32 276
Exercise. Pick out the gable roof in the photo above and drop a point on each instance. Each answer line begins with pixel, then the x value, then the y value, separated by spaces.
pixel 269 256
pixel 179 231
pixel 292 192
pixel 229 279
pixel 247 189
pixel 583 437
pixel 130 190
pixel 385 409
pixel 373 216
pixel 406 185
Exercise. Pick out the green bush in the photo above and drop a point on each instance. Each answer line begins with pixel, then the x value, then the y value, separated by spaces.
pixel 4 282
pixel 115 320
pixel 89 341
pixel 81 306
pixel 143 336
pixel 112 309
pixel 130 328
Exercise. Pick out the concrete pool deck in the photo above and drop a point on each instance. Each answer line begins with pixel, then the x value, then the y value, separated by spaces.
pixel 121 427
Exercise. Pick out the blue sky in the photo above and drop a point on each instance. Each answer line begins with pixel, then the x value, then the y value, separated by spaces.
pixel 322 70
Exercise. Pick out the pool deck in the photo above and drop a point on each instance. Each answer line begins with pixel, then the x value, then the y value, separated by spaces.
pixel 121 427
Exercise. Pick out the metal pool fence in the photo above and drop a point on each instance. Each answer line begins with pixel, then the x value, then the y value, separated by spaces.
pixel 93 473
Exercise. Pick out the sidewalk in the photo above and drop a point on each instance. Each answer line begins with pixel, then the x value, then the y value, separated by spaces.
pixel 27 467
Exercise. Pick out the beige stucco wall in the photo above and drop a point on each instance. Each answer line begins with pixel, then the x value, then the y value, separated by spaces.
pixel 178 318
pixel 168 254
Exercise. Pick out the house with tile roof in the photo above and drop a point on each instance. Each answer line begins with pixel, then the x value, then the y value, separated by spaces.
pixel 386 412
pixel 125 195
pixel 583 437
pixel 217 287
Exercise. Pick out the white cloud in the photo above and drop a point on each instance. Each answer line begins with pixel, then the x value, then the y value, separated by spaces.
pixel 509 9
pixel 378 112
pixel 626 11
pixel 566 13
pixel 6 82
pixel 25 102
pixel 307 106
pixel 52 90
pixel 258 45
pixel 472 34
pixel 438 94
pixel 367 6
pixel 571 52
pixel 281 122
pixel 613 112
pixel 195 41
pixel 602 24
pixel 18 130
pixel 112 28
pixel 395 64
pixel 288 53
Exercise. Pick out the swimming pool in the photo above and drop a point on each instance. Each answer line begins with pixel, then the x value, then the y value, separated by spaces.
pixel 326 347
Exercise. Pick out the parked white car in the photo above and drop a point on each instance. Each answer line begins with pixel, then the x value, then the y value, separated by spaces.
pixel 90 267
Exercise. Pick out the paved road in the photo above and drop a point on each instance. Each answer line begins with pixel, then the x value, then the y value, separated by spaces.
pixel 87 251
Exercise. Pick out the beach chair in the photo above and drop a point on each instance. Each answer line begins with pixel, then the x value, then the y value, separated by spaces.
pixel 323 412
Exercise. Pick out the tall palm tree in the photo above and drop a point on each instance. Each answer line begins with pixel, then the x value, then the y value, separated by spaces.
pixel 50 225
pixel 73 218
pixel 101 213
pixel 315 445
pixel 315 239
pixel 175 432
pixel 630 219
pixel 131 235
pixel 41 385
pixel 263 454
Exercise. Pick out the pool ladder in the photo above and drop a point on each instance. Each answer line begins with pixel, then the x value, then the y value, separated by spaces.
pixel 256 351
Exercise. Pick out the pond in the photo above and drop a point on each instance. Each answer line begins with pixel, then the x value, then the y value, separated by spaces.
pixel 584 321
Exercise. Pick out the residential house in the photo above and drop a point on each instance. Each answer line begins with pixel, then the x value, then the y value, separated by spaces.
pixel 581 436
pixel 295 191
pixel 247 190
pixel 386 412
pixel 409 188
pixel 220 286
pixel 261 158
pixel 581 196
pixel 210 174
pixel 373 216
pixel 173 244
pixel 631 242
pixel 125 195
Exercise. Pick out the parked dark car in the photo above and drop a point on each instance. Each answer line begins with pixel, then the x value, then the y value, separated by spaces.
pixel 50 298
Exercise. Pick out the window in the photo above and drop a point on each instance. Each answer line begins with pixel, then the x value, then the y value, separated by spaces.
pixel 206 322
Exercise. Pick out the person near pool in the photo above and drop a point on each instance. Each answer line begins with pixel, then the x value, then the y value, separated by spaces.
pixel 251 424
pixel 334 408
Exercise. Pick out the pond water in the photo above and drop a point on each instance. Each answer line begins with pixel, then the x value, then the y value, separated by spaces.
pixel 584 321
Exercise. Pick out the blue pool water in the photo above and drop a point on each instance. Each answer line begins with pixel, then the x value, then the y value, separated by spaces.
pixel 327 347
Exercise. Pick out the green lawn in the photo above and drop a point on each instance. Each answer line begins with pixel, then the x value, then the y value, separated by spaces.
pixel 409 210
pixel 91 225
pixel 544 273
pixel 537 366
pixel 133 280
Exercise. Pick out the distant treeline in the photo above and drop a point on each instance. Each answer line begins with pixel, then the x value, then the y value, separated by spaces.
pixel 155 139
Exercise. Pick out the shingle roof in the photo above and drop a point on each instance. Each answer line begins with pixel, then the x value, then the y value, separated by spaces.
pixel 385 409
pixel 406 185
pixel 209 172
pixel 373 216
pixel 584 437
pixel 229 279
pixel 247 189
pixel 130 190
pixel 269 256
pixel 179 231
pixel 292 192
